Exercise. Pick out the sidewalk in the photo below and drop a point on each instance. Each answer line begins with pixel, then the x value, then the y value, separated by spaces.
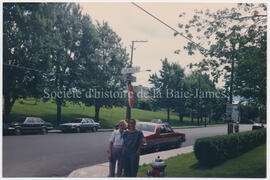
pixel 102 170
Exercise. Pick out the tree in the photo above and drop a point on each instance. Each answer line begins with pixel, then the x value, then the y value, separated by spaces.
pixel 165 85
pixel 65 58
pixel 191 84
pixel 205 99
pixel 24 51
pixel 250 74
pixel 111 58
pixel 222 35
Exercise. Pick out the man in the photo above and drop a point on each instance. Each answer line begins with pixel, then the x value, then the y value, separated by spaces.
pixel 132 148
pixel 115 150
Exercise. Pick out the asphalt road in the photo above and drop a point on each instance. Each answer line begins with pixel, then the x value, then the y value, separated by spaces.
pixel 58 154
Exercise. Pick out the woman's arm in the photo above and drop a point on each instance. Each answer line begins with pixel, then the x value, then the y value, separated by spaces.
pixel 110 151
pixel 110 146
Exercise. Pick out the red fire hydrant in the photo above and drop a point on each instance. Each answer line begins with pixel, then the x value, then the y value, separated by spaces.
pixel 158 168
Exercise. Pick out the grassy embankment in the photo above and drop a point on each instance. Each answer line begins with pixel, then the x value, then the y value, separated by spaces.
pixel 108 117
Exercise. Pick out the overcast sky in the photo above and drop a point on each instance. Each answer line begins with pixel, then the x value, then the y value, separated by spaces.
pixel 130 23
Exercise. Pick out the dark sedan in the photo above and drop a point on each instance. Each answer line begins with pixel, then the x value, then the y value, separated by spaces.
pixel 79 125
pixel 159 135
pixel 22 125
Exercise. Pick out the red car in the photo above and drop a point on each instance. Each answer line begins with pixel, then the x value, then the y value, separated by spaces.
pixel 159 135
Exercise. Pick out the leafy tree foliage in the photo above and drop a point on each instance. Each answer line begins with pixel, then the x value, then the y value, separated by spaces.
pixel 224 37
pixel 111 58
pixel 233 43
pixel 171 77
pixel 53 47
pixel 24 44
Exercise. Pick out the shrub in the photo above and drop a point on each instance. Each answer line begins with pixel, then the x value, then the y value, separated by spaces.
pixel 210 151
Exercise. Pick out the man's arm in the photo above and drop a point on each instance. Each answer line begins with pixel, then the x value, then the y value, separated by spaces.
pixel 140 144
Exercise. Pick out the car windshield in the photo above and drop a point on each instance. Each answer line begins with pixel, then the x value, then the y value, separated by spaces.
pixel 145 127
pixel 19 119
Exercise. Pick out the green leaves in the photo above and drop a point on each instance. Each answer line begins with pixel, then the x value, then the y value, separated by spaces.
pixel 225 32
pixel 61 43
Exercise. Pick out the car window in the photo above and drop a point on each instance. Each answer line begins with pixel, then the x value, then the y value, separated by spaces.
pixel 29 120
pixel 145 127
pixel 91 120
pixel 19 119
pixel 84 121
pixel 162 129
pixel 168 128
pixel 37 120
pixel 156 120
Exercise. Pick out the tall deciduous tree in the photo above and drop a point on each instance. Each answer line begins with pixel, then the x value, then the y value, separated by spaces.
pixel 25 48
pixel 166 84
pixel 66 33
pixel 111 58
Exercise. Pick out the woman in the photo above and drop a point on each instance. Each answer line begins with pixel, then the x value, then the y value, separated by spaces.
pixel 115 149
pixel 132 149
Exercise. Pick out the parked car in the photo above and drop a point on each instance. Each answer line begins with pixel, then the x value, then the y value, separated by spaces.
pixel 79 125
pixel 156 121
pixel 257 126
pixel 22 125
pixel 159 135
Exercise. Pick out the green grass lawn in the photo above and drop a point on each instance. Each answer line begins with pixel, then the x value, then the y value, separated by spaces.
pixel 108 117
pixel 249 165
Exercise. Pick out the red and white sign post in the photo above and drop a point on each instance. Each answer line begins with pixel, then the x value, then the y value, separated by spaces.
pixel 130 96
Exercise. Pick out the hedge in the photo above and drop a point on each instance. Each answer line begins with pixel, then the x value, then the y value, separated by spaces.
pixel 210 151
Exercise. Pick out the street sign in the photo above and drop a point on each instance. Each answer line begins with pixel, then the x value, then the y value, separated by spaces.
pixel 130 96
pixel 129 77
pixel 130 70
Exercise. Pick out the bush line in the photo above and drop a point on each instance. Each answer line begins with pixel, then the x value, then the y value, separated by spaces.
pixel 211 151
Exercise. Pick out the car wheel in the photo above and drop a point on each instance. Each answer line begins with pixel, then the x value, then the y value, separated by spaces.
pixel 43 131
pixel 78 130
pixel 17 131
pixel 94 129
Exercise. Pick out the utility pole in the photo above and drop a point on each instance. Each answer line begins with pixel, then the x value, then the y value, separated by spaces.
pixel 128 111
pixel 229 118
pixel 232 75
pixel 199 104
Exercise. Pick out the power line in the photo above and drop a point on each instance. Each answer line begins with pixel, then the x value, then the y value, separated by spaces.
pixel 181 34
pixel 30 69
pixel 22 67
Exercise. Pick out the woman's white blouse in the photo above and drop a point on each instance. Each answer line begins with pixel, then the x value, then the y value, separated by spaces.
pixel 117 139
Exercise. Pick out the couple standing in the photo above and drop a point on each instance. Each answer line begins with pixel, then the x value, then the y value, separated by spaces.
pixel 125 147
